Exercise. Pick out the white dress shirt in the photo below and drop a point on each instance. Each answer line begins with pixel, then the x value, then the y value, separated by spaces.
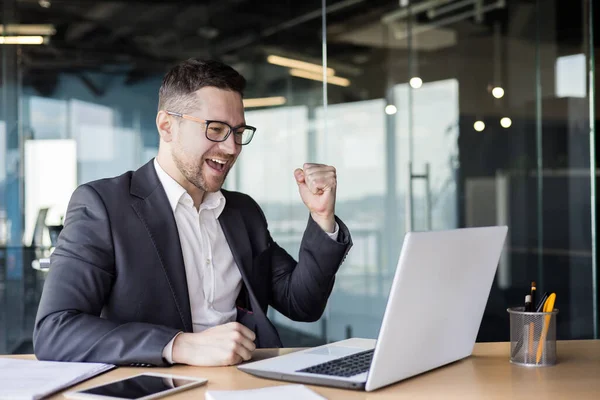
pixel 213 278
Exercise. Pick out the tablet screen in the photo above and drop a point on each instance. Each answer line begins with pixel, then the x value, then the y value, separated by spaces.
pixel 138 386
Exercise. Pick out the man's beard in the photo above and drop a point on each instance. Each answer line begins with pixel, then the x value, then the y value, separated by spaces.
pixel 194 173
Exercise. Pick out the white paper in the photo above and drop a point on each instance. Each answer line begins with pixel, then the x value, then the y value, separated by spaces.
pixel 287 392
pixel 32 380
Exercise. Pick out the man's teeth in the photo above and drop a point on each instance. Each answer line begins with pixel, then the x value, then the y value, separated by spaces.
pixel 218 161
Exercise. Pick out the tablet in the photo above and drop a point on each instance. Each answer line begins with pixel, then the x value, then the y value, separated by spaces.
pixel 144 386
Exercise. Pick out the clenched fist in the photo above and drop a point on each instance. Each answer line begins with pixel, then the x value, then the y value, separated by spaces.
pixel 221 345
pixel 317 184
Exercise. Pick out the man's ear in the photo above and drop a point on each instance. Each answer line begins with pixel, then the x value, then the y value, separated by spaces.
pixel 165 126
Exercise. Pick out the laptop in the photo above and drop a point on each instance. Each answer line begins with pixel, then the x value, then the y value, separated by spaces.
pixel 432 317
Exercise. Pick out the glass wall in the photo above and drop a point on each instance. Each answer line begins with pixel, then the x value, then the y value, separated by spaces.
pixel 475 113
pixel 437 114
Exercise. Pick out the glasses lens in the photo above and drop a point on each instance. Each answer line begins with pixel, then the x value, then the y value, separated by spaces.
pixel 216 131
pixel 244 135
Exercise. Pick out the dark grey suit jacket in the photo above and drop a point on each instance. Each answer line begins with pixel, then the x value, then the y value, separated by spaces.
pixel 117 293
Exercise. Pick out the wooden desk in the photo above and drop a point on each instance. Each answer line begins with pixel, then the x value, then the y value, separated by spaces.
pixel 485 375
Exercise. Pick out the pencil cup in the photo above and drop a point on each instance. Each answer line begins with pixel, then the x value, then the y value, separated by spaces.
pixel 532 337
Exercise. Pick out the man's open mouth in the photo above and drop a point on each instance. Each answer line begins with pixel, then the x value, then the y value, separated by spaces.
pixel 216 164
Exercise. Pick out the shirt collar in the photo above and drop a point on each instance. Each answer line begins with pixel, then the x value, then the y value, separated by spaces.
pixel 177 194
pixel 213 201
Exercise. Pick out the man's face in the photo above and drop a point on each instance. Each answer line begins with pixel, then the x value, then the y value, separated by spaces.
pixel 202 162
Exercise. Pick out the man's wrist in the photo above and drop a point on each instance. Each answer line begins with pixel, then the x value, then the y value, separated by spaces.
pixel 178 352
pixel 327 223
pixel 168 350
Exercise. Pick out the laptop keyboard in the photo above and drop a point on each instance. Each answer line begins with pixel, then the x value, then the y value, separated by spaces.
pixel 351 365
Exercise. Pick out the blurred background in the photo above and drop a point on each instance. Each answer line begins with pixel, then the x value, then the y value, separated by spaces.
pixel 437 114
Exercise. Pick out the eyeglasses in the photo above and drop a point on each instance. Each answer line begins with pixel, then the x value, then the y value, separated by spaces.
pixel 217 131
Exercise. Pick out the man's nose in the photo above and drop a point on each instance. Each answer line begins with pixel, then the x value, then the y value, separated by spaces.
pixel 229 146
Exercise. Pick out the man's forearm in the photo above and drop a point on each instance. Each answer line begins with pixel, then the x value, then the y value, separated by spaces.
pixel 301 290
pixel 72 336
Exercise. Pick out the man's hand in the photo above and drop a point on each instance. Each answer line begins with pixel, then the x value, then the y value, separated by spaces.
pixel 317 184
pixel 221 345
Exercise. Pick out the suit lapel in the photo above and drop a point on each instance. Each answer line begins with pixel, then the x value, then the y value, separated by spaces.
pixel 237 237
pixel 156 214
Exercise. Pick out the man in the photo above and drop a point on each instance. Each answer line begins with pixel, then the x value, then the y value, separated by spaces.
pixel 162 266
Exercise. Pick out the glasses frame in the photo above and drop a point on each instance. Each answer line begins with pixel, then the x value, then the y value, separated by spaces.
pixel 207 122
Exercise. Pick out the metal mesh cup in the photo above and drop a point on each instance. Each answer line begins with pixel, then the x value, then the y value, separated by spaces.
pixel 532 337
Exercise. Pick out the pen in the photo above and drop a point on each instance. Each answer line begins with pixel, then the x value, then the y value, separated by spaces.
pixel 530 337
pixel 530 349
pixel 540 305
pixel 528 303
pixel 548 307
pixel 533 290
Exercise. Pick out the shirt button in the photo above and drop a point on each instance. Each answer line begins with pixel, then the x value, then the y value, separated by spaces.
pixel 208 261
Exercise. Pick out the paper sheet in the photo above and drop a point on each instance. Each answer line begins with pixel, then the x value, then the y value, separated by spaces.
pixel 33 380
pixel 287 392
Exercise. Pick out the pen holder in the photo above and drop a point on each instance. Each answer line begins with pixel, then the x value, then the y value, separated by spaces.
pixel 532 337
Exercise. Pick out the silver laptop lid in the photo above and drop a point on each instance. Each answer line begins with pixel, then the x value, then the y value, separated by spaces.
pixel 436 302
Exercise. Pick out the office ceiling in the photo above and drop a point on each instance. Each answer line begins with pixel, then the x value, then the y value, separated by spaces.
pixel 147 34
pixel 143 37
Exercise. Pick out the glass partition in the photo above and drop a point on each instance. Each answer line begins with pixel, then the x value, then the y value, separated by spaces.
pixel 477 113
pixel 437 114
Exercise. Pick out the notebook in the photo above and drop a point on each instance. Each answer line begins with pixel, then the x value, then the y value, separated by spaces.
pixel 33 380
pixel 287 392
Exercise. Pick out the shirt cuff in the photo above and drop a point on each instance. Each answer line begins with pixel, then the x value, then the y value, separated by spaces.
pixel 168 350
pixel 334 235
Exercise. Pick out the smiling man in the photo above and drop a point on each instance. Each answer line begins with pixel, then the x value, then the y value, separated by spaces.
pixel 161 265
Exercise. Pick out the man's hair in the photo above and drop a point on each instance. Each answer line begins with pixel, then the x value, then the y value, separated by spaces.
pixel 179 84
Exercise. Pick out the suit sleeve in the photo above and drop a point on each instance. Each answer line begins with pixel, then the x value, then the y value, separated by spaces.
pixel 300 290
pixel 68 325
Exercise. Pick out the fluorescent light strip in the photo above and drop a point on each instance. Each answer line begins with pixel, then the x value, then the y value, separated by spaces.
pixel 291 63
pixel 21 40
pixel 22 29
pixel 264 102
pixel 334 80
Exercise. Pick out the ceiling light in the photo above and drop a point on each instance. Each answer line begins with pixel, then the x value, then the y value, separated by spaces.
pixel 291 63
pixel 334 80
pixel 21 40
pixel 416 82
pixel 264 102
pixel 498 92
pixel 44 3
pixel 506 122
pixel 391 109
pixel 479 126
pixel 27 29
